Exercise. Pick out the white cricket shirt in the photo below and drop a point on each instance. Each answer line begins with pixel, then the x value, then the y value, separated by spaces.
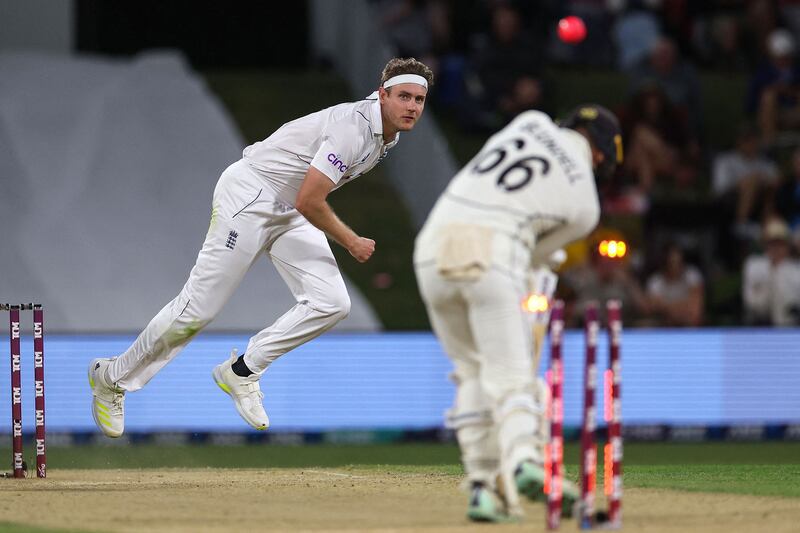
pixel 342 142
pixel 771 291
pixel 532 181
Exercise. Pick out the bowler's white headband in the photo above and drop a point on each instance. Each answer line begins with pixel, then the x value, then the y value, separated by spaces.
pixel 405 78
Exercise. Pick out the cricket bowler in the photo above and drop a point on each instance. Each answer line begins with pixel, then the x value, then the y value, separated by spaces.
pixel 273 203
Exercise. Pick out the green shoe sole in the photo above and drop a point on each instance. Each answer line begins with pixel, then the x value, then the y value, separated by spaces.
pixel 482 515
pixel 530 482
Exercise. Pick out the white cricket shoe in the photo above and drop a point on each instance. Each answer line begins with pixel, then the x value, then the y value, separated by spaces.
pixel 529 478
pixel 108 402
pixel 246 393
pixel 486 505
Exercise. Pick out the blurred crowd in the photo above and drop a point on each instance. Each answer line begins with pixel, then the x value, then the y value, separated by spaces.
pixel 713 228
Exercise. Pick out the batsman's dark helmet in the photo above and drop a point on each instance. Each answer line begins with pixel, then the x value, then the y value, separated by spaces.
pixel 604 132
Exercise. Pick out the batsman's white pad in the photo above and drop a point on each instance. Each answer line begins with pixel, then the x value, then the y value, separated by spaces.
pixel 517 419
pixel 471 418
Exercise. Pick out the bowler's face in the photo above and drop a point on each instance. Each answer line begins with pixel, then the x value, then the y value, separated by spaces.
pixel 402 105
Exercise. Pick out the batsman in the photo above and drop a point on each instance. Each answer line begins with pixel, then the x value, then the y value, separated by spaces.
pixel 501 220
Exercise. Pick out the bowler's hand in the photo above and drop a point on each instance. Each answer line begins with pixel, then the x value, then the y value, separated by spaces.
pixel 362 249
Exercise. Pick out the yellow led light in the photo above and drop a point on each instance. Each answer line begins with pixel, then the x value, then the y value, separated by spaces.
pixel 612 249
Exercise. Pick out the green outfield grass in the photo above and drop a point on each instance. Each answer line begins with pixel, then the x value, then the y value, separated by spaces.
pixel 757 480
pixel 767 469
pixel 770 469
pixel 333 455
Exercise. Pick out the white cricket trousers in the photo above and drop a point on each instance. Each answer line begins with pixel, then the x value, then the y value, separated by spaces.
pixel 482 327
pixel 247 220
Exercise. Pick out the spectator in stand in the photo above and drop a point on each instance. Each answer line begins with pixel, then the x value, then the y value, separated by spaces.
pixel 771 287
pixel 416 28
pixel 725 49
pixel 600 279
pixel 786 201
pixel 789 11
pixel 675 293
pixel 406 26
pixel 635 32
pixel 505 72
pixel 658 140
pixel 676 77
pixel 742 181
pixel 762 19
pixel 679 19
pixel 774 92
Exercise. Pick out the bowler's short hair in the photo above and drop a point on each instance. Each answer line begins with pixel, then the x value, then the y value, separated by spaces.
pixel 398 66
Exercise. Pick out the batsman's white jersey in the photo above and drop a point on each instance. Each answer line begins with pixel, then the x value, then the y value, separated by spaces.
pixel 529 192
pixel 253 213
pixel 532 182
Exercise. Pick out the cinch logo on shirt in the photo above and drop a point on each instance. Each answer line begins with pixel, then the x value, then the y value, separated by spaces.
pixel 338 163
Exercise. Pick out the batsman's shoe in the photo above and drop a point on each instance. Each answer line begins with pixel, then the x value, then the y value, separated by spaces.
pixel 529 478
pixel 108 402
pixel 246 393
pixel 485 505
